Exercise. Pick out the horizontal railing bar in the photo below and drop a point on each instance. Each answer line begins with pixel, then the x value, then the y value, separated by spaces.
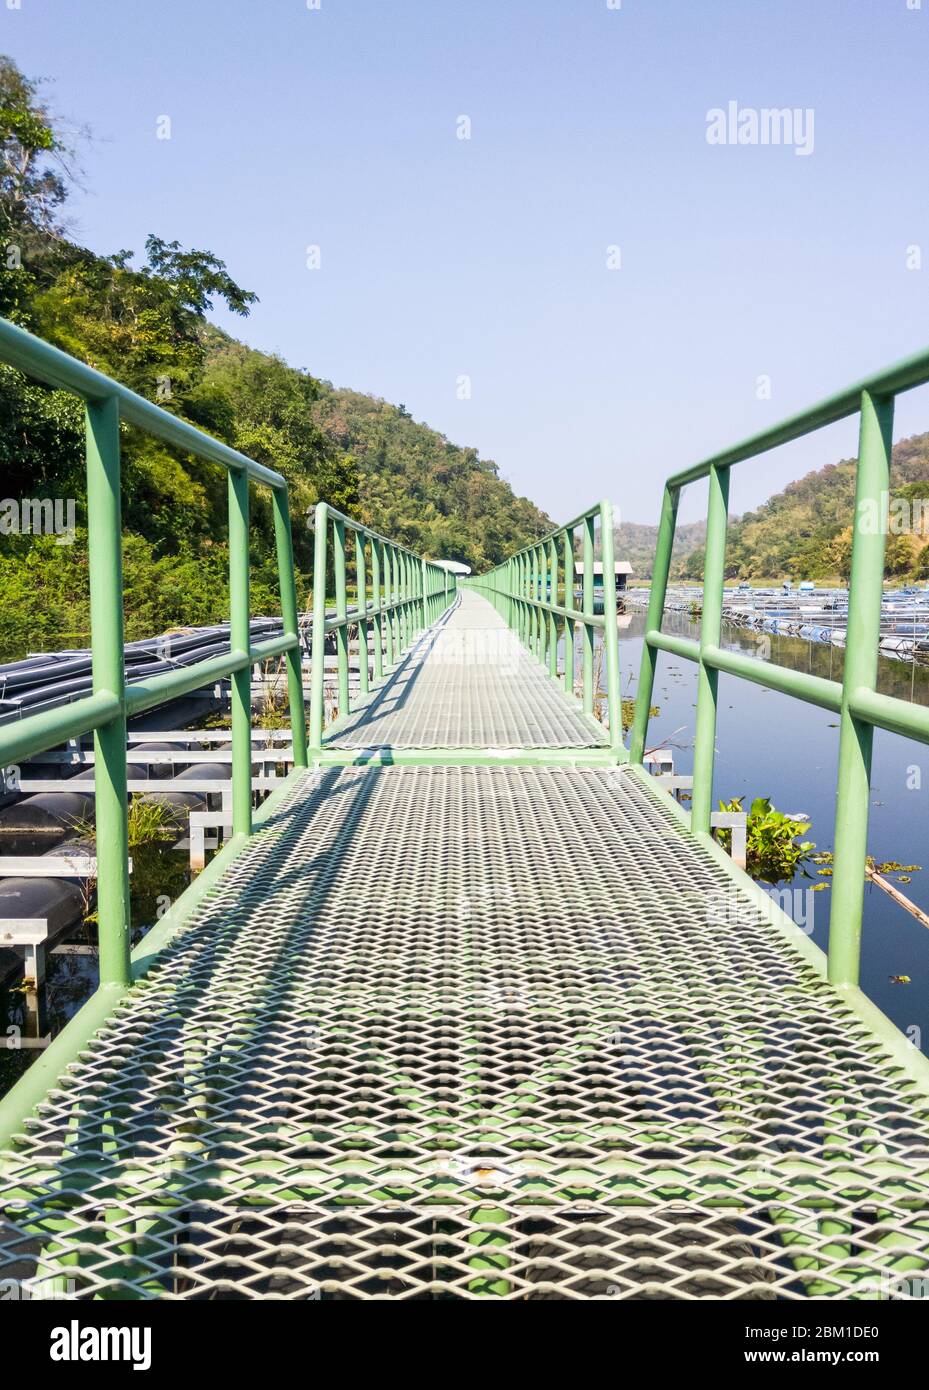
pixel 677 646
pixel 356 615
pixel 554 535
pixel 333 514
pixel 902 376
pixel 274 646
pixel 56 368
pixel 890 713
pixel 149 787
pixel 280 752
pixel 39 731
pixel 143 695
pixel 594 619
pixel 815 690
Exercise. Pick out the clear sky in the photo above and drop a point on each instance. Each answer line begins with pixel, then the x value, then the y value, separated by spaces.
pixel 487 258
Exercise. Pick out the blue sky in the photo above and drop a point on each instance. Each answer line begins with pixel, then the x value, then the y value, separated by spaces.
pixel 487 258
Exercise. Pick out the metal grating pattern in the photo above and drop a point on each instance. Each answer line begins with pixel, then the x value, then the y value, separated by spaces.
pixel 468 682
pixel 475 1032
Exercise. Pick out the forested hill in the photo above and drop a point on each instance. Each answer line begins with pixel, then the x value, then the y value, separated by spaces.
pixel 413 483
pixel 143 320
pixel 635 542
pixel 805 532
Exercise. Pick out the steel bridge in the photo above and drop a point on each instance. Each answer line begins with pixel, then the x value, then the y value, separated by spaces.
pixel 469 1007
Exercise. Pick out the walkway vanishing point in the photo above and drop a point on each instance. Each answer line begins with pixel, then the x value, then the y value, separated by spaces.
pixel 469 1007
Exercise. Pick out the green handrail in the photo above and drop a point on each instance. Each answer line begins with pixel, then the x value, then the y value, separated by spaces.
pixel 105 712
pixel 860 708
pixel 406 594
pixel 525 591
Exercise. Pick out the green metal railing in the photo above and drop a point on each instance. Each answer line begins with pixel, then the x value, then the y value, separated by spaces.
pixel 406 592
pixel 106 710
pixel 398 594
pixel 860 708
pixel 525 590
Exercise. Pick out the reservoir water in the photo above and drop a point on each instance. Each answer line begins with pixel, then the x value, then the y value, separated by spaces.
pixel 771 745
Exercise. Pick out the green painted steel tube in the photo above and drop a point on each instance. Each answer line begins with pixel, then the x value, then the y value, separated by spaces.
pixel 240 641
pixel 611 630
pixel 664 544
pixel 43 730
pixel 710 629
pixel 283 537
pixel 274 646
pixel 587 541
pixel 815 690
pixel 887 712
pixel 552 599
pixel 361 584
pixel 543 604
pixel 568 632
pixel 577 614
pixel 901 376
pixel 40 360
pixel 865 594
pixel 388 602
pixel 156 690
pixel 318 666
pixel 676 646
pixel 377 621
pixel 104 524
pixel 341 609
pixel 425 595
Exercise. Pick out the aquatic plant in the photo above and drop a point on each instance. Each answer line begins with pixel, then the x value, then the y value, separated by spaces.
pixel 775 852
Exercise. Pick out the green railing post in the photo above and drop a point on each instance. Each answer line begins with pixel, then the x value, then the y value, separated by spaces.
pixel 397 598
pixel 104 525
pixel 710 628
pixel 240 641
pixel 361 585
pixel 425 595
pixel 341 612
pixel 611 631
pixel 401 600
pixel 543 598
pixel 288 590
pixel 536 596
pixel 377 597
pixel 569 603
pixel 865 595
pixel 388 600
pixel 553 599
pixel 318 672
pixel 587 532
pixel 656 600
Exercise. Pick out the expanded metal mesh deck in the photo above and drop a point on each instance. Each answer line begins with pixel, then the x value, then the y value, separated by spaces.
pixel 468 682
pixel 468 1032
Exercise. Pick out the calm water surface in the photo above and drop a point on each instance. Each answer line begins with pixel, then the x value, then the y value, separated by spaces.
pixel 771 745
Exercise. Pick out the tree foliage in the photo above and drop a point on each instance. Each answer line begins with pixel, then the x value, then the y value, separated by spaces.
pixel 805 531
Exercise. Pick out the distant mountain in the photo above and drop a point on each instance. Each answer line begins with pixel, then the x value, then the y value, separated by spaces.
pixel 805 532
pixel 636 542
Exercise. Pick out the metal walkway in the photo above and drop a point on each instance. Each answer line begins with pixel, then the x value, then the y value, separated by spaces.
pixel 470 1007
pixel 475 1031
pixel 468 682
